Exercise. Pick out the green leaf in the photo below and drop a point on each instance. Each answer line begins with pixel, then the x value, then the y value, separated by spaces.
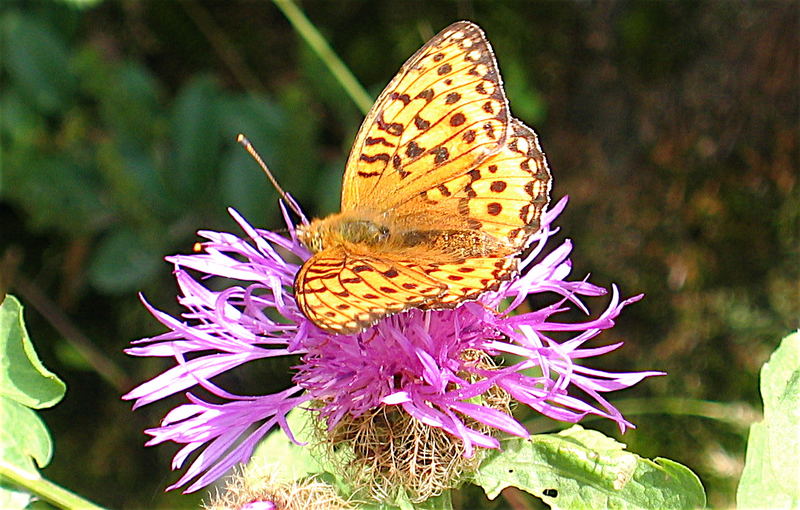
pixel 197 142
pixel 292 461
pixel 23 436
pixel 12 499
pixel 295 461
pixel 298 461
pixel 25 442
pixel 123 262
pixel 36 60
pixel 441 502
pixel 24 384
pixel 402 502
pixel 23 378
pixel 19 120
pixel 772 465
pixel 242 184
pixel 300 142
pixel 55 192
pixel 580 468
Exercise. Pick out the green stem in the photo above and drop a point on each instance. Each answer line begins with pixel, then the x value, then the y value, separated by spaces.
pixel 736 414
pixel 321 47
pixel 44 489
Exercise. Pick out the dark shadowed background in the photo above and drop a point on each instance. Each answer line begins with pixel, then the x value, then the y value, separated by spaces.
pixel 673 127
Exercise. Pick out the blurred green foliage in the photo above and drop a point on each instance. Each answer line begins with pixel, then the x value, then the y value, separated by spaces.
pixel 672 126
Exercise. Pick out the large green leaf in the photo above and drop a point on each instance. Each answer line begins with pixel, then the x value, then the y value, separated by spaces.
pixel 124 260
pixel 19 121
pixel 24 384
pixel 23 378
pixel 23 436
pixel 55 192
pixel 36 60
pixel 295 461
pixel 197 142
pixel 242 184
pixel 771 476
pixel 25 443
pixel 580 468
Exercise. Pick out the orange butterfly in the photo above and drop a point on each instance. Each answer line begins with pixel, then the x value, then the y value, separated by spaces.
pixel 442 191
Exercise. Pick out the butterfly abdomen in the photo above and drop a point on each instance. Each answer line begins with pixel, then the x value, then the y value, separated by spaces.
pixel 458 244
pixel 444 244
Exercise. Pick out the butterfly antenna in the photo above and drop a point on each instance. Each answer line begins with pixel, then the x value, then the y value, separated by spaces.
pixel 286 199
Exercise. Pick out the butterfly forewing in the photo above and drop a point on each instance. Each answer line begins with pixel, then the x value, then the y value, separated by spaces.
pixel 443 113
pixel 442 191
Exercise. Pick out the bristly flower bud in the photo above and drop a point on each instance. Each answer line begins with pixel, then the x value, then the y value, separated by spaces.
pixel 260 487
pixel 388 450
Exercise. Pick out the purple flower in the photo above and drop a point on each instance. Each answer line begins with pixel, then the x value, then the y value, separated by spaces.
pixel 259 505
pixel 416 360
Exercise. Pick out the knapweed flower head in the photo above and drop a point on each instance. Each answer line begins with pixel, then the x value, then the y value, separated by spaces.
pixel 426 369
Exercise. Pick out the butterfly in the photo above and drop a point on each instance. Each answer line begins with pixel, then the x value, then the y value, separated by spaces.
pixel 442 191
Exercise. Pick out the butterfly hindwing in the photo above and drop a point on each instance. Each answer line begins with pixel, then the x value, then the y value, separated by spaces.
pixel 503 196
pixel 511 189
pixel 344 291
pixel 442 114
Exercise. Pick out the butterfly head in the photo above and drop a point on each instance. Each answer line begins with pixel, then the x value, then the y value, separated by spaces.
pixel 311 237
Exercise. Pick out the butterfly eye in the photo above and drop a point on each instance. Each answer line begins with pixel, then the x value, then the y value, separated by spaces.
pixel 311 239
pixel 316 243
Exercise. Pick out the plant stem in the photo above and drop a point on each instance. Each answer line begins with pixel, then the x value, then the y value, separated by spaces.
pixel 321 47
pixel 44 489
pixel 223 47
pixel 60 321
